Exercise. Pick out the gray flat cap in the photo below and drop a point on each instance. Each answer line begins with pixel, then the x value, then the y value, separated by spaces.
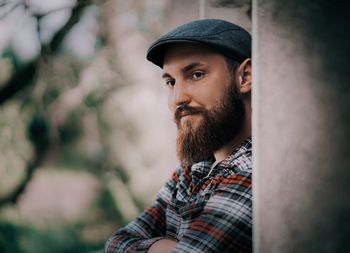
pixel 226 38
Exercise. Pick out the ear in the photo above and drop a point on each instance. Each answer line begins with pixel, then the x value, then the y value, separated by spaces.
pixel 244 76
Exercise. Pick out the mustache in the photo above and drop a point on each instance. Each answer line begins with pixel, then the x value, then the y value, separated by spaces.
pixel 183 110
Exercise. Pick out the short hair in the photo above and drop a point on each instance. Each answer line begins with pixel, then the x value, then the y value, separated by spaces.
pixel 232 65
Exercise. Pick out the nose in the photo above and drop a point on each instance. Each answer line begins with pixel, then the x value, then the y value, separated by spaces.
pixel 181 94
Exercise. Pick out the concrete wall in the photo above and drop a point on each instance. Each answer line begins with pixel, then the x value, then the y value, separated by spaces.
pixel 302 126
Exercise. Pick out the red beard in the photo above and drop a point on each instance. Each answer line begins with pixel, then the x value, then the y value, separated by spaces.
pixel 216 127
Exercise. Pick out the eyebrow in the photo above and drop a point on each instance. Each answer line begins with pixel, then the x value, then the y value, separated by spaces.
pixel 191 66
pixel 185 69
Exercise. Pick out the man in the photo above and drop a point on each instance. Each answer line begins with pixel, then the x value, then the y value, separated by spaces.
pixel 206 206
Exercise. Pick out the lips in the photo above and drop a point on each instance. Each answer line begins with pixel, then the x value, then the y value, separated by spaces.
pixel 184 114
pixel 185 110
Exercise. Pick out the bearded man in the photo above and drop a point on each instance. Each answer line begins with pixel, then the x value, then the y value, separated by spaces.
pixel 206 206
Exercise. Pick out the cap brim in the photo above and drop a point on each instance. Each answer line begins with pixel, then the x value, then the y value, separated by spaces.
pixel 156 52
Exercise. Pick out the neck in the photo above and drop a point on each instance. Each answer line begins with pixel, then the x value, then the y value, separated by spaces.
pixel 227 150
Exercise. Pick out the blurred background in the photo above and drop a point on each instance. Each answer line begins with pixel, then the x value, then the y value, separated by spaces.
pixel 86 138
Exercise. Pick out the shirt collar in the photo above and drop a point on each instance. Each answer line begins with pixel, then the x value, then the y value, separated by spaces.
pixel 201 169
pixel 241 157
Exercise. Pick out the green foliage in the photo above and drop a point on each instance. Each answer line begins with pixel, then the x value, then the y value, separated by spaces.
pixel 9 236
pixel 51 95
pixel 122 174
pixel 8 53
pixel 38 132
pixel 71 130
pixel 110 208
pixel 92 100
pixel 25 239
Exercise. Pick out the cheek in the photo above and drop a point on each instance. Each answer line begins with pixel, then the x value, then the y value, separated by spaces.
pixel 171 102
pixel 211 98
pixel 208 96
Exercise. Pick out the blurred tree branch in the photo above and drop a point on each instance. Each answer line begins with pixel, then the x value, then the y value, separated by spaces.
pixel 26 75
pixel 23 78
pixel 11 8
pixel 13 196
pixel 56 41
pixel 230 3
pixel 233 4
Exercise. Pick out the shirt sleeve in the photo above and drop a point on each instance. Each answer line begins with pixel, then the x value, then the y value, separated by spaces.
pixel 147 228
pixel 225 224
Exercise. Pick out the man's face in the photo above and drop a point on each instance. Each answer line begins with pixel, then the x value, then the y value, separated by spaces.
pixel 207 106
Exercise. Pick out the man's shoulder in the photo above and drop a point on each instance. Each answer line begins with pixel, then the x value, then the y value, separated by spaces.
pixel 235 172
pixel 240 161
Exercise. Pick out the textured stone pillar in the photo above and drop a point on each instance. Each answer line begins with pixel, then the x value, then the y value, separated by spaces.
pixel 302 126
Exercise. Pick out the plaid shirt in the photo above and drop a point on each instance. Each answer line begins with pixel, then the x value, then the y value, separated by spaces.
pixel 204 209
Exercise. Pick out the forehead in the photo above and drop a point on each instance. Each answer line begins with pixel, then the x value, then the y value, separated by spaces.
pixel 185 53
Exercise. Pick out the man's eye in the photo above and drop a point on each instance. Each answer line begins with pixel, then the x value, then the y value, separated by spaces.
pixel 197 75
pixel 170 82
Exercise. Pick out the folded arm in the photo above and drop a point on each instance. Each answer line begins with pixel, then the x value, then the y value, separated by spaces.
pixel 163 246
pixel 148 228
pixel 224 224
